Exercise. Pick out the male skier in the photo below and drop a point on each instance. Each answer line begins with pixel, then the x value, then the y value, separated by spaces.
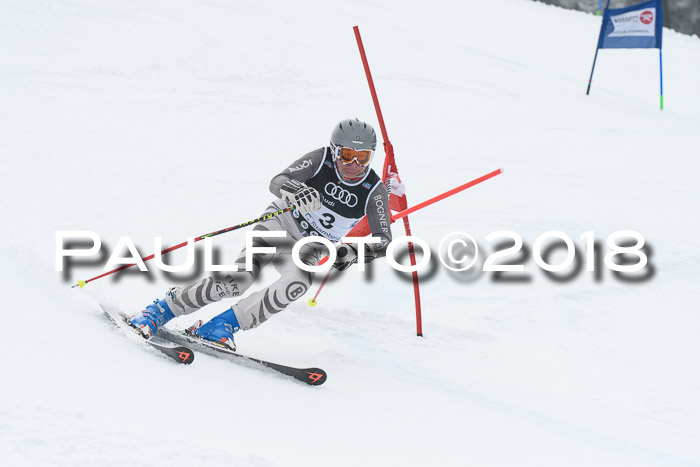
pixel 331 190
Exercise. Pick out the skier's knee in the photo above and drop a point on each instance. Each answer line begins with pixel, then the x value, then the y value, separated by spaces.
pixel 296 285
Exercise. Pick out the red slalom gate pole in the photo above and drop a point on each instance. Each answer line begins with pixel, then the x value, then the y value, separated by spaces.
pixel 435 199
pixel 414 274
pixel 404 214
pixel 389 150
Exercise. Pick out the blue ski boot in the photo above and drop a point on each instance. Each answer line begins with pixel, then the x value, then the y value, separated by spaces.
pixel 219 330
pixel 149 320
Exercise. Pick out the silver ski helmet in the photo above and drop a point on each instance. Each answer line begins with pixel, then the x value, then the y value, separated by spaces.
pixel 353 143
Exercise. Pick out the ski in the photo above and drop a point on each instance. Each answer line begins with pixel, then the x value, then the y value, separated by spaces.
pixel 179 353
pixel 311 376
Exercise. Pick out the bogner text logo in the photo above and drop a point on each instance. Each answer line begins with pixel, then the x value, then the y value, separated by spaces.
pixel 341 194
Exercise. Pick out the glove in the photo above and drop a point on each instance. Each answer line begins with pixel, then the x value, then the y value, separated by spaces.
pixel 305 199
pixel 347 255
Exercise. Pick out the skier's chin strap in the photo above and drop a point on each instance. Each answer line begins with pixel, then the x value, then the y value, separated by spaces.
pixel 347 179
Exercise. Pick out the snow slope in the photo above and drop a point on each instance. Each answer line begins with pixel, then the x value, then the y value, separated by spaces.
pixel 168 119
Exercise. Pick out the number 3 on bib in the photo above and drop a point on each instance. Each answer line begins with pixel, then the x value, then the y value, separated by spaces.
pixel 327 221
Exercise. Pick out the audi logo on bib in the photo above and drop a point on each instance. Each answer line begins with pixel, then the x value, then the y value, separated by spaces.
pixel 341 195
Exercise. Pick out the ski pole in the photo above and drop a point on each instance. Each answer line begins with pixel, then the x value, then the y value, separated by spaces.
pixel 81 284
pixel 312 301
pixel 406 212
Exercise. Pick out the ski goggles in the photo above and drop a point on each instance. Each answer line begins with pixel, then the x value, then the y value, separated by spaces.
pixel 349 155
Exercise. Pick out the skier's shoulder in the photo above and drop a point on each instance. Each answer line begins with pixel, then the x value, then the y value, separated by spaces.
pixel 310 161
